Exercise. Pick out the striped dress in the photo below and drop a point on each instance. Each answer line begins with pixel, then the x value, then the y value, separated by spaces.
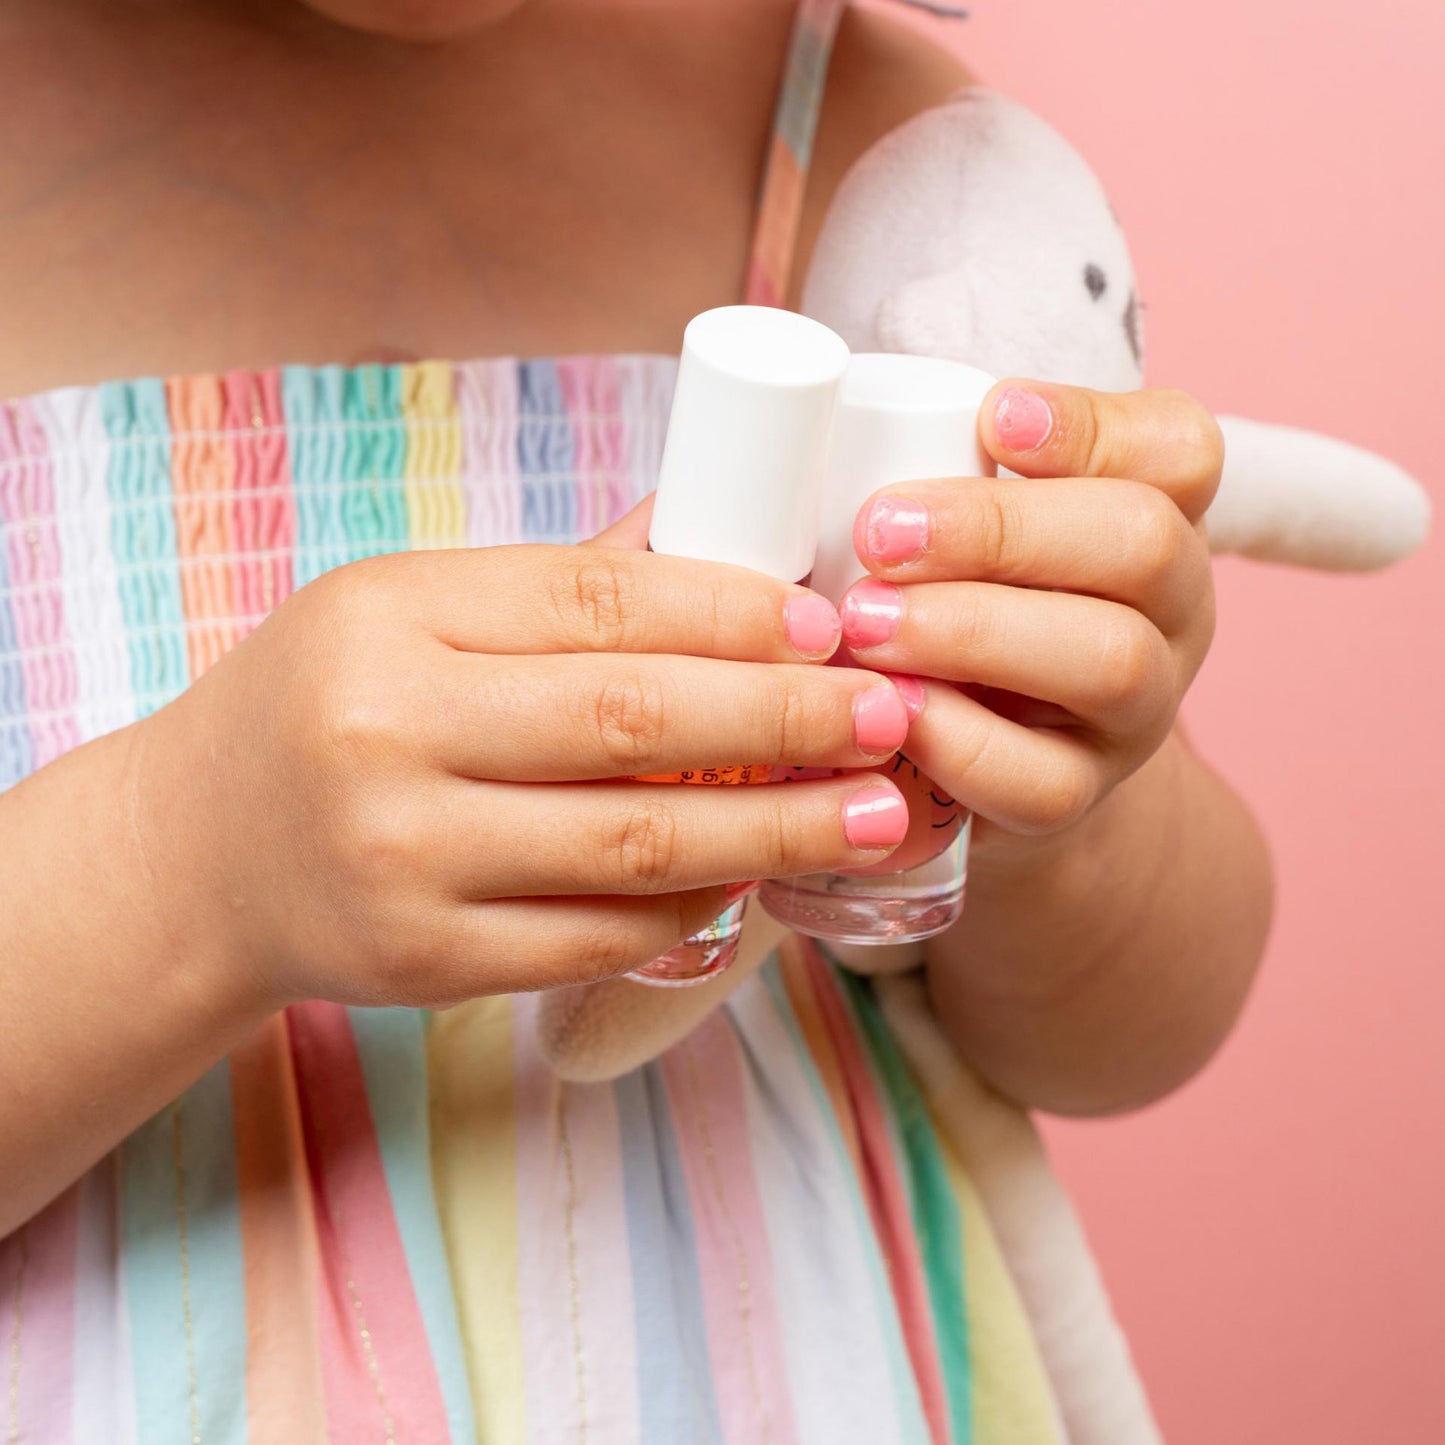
pixel 389 1225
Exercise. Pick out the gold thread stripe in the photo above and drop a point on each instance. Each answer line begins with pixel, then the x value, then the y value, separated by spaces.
pixel 574 1287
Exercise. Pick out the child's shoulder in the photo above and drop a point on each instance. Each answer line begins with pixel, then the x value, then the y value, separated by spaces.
pixel 884 71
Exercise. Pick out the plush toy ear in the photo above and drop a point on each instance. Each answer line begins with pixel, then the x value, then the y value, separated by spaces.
pixel 1299 497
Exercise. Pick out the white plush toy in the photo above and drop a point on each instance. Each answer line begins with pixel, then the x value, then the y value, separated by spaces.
pixel 976 232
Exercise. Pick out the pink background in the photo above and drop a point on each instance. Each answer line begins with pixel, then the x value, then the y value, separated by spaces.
pixel 1273 1234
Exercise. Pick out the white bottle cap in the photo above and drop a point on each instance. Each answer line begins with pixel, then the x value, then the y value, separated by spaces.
pixel 742 469
pixel 899 419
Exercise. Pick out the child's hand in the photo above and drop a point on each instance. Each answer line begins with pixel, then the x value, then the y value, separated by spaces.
pixel 1074 612
pixel 404 787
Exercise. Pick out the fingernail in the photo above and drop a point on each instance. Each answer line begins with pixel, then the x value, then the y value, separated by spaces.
pixel 875 818
pixel 870 613
pixel 880 720
pixel 734 891
pixel 1022 420
pixel 910 689
pixel 811 624
pixel 894 529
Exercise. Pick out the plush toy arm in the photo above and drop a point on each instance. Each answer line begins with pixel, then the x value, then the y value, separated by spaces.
pixel 1300 497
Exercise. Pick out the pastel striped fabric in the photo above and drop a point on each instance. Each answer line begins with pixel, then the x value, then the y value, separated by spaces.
pixel 375 1226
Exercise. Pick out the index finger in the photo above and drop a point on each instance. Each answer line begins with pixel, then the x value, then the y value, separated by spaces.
pixel 529 599
pixel 1165 439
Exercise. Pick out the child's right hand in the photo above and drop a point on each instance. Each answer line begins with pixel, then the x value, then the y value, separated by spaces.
pixel 403 787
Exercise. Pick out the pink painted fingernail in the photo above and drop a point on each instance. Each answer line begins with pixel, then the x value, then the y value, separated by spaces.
pixel 893 529
pixel 870 613
pixel 734 891
pixel 875 818
pixel 880 720
pixel 910 689
pixel 812 626
pixel 1022 420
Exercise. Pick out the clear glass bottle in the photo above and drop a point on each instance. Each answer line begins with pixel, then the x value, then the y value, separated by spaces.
pixel 899 418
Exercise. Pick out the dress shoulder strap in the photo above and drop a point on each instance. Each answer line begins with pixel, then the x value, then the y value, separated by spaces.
pixel 790 151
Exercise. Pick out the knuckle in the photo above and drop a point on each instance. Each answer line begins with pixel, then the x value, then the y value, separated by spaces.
pixel 717 606
pixel 794 721
pixel 975 626
pixel 608 946
pixel 355 727
pixel 1130 663
pixel 594 601
pixel 969 752
pixel 629 715
pixel 1093 436
pixel 385 847
pixel 1161 535
pixel 643 847
pixel 1060 797
pixel 350 595
pixel 999 532
pixel 783 839
pixel 1207 613
pixel 1200 439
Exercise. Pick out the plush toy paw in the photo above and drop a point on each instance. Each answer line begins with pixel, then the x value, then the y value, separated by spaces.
pixel 1295 496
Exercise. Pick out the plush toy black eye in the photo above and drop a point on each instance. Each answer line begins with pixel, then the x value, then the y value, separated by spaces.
pixel 1094 280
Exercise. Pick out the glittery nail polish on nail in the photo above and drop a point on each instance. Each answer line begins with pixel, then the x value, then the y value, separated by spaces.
pixel 811 625
pixel 894 529
pixel 870 613
pixel 880 720
pixel 910 689
pixel 1022 420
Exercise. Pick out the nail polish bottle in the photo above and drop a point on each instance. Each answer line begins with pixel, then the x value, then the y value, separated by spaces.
pixel 899 418
pixel 741 481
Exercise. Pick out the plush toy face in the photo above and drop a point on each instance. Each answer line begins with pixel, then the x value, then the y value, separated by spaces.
pixel 1028 275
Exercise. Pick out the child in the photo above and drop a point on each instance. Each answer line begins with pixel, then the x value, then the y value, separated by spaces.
pixel 237 1208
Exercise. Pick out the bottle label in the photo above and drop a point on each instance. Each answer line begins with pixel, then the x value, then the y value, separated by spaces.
pixel 713 777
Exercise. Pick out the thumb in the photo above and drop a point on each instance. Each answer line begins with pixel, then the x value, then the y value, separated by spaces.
pixel 629 533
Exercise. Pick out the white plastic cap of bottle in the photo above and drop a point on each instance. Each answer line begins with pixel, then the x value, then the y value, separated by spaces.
pixel 899 419
pixel 743 465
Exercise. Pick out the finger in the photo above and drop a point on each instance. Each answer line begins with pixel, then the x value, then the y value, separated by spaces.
pixel 1164 438
pixel 628 532
pixel 1120 540
pixel 1107 665
pixel 514 945
pixel 658 838
pixel 529 599
pixel 1027 780
pixel 584 715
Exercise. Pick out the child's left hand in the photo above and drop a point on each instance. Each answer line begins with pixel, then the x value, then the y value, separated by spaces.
pixel 1071 608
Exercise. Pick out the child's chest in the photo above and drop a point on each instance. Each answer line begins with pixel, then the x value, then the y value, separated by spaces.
pixel 194 208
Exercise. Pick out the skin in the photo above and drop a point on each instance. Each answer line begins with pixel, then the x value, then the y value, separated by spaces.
pixel 378 797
